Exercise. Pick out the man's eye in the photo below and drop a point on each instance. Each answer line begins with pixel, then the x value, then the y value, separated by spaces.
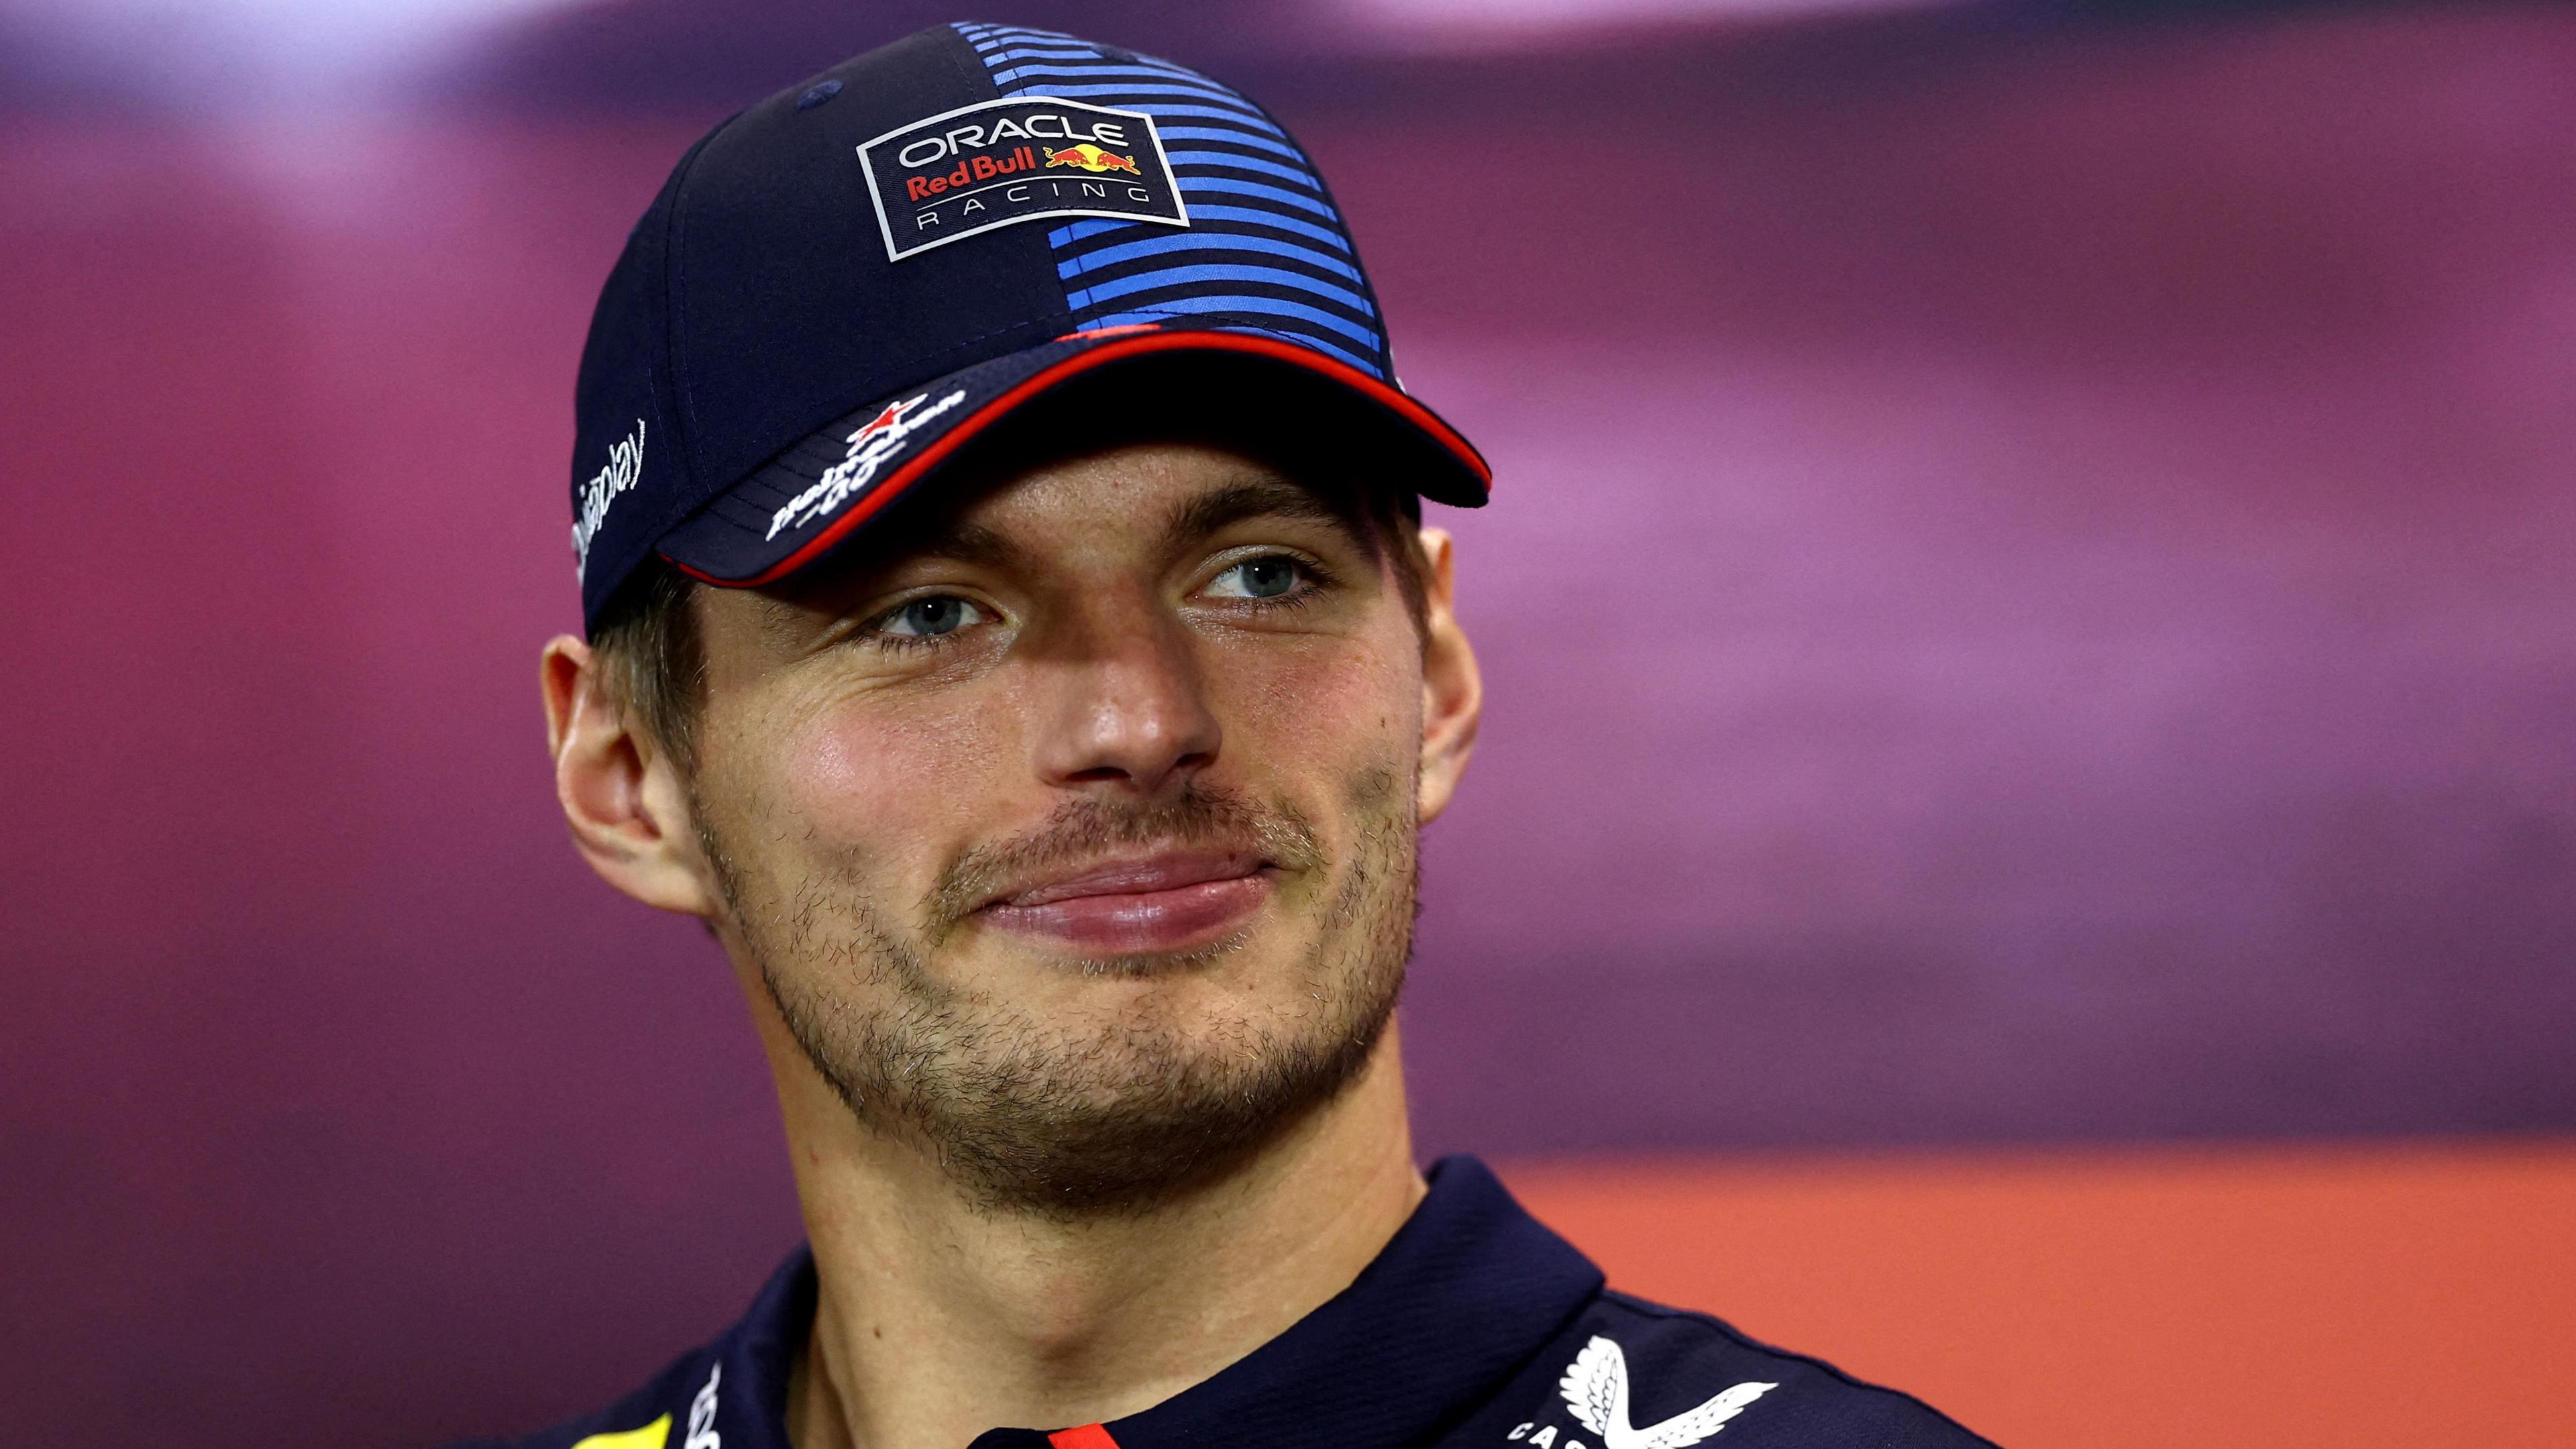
pixel 1266 577
pixel 928 618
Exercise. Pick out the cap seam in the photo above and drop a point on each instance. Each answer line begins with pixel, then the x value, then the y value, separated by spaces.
pixel 983 68
pixel 971 74
pixel 1063 288
pixel 684 400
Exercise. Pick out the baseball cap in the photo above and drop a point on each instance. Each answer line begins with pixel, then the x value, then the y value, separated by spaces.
pixel 838 289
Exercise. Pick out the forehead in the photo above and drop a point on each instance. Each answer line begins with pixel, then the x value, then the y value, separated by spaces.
pixel 1118 488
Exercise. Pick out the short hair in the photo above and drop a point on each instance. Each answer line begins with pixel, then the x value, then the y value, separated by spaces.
pixel 651 656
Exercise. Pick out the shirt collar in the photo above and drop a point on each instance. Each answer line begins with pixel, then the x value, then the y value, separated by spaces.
pixel 1459 1298
pixel 753 1361
pixel 1465 1292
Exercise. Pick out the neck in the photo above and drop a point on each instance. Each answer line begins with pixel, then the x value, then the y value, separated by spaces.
pixel 939 1318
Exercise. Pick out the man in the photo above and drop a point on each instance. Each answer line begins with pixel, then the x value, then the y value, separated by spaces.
pixel 1010 630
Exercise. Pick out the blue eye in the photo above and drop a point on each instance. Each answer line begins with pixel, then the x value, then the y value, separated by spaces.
pixel 928 618
pixel 1266 577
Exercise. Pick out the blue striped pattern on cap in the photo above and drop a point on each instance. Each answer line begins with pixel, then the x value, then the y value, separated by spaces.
pixel 1265 248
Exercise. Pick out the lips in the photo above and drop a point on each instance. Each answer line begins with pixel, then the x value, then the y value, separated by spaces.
pixel 1173 901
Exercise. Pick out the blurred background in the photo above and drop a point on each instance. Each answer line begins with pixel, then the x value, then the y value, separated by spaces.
pixel 2025 839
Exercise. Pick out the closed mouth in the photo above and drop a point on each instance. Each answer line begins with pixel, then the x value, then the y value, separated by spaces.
pixel 1173 901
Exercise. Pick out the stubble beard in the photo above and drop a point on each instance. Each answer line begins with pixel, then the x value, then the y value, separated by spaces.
pixel 1024 1116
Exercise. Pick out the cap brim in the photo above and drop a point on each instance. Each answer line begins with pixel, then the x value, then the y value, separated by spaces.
pixel 813 497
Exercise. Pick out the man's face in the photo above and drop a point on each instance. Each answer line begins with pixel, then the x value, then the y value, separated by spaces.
pixel 1073 833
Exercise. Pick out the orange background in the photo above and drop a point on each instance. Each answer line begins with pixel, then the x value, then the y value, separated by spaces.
pixel 2378 1295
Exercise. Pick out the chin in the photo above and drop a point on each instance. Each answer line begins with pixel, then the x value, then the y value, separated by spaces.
pixel 1226 992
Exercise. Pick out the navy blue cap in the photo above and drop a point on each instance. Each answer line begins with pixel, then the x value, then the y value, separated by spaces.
pixel 840 287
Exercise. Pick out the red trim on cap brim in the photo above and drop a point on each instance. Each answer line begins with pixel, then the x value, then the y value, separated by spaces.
pixel 901 480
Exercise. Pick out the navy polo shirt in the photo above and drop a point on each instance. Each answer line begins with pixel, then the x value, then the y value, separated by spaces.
pixel 1475 1328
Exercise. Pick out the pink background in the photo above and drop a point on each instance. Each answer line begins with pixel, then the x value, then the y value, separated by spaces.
pixel 2029 602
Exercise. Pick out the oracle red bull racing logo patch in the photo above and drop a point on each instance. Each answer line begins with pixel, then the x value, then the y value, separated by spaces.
pixel 967 171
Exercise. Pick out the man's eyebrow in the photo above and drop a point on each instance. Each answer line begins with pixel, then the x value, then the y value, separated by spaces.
pixel 1259 498
pixel 970 543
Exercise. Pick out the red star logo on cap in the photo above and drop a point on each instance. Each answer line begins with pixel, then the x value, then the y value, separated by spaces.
pixel 882 421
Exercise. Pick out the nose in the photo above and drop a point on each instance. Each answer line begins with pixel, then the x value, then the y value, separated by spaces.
pixel 1129 708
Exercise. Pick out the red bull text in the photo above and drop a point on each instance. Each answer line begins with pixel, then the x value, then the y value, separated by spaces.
pixel 971 169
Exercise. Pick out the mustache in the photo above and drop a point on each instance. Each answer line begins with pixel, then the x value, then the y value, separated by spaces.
pixel 1081 831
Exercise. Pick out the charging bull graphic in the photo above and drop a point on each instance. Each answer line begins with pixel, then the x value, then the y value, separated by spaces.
pixel 1091 158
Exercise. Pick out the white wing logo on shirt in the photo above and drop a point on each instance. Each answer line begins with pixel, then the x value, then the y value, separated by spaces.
pixel 1596 1390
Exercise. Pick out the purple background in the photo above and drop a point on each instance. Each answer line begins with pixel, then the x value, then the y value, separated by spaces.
pixel 2029 600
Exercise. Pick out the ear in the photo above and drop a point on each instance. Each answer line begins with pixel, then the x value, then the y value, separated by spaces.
pixel 1453 693
pixel 624 798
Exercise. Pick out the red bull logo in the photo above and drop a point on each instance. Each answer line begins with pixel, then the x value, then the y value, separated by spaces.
pixel 1091 158
pixel 972 169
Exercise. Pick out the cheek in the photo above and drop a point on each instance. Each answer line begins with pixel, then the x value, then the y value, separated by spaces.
pixel 895 788
pixel 923 768
pixel 1339 705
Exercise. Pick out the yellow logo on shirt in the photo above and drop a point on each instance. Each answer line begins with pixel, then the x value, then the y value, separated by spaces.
pixel 651 1436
